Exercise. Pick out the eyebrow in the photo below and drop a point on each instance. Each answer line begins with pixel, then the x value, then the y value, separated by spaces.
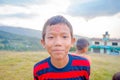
pixel 60 33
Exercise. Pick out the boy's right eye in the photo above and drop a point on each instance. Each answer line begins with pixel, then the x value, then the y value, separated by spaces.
pixel 50 37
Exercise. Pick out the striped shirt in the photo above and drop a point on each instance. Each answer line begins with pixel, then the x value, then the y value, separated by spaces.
pixel 78 68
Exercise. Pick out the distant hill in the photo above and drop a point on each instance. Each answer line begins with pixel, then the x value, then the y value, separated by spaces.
pixel 15 42
pixel 21 31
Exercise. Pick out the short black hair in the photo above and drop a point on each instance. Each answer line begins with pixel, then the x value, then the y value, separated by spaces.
pixel 56 20
pixel 81 43
pixel 116 76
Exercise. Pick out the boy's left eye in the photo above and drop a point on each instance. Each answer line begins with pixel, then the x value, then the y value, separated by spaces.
pixel 50 37
pixel 64 36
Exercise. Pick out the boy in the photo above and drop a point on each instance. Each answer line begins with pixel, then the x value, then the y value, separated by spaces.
pixel 57 38
pixel 82 48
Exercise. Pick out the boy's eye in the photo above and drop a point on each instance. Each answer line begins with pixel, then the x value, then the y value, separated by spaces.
pixel 65 36
pixel 50 37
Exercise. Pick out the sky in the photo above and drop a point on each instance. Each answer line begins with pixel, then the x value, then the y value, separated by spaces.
pixel 89 18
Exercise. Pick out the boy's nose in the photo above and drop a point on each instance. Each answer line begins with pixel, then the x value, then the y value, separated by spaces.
pixel 58 41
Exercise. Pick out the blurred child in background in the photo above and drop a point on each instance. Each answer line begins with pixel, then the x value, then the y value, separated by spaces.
pixel 116 76
pixel 82 48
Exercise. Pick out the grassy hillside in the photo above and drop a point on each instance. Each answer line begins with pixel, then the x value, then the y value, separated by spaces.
pixel 19 65
pixel 9 41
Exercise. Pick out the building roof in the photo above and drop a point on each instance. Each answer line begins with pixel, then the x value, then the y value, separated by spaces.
pixel 100 39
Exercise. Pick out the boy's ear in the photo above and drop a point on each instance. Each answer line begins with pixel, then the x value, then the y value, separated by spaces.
pixel 73 41
pixel 84 49
pixel 42 42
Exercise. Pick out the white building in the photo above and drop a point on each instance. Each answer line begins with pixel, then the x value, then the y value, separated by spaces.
pixel 105 45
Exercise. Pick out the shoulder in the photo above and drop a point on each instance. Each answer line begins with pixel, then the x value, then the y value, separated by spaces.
pixel 77 57
pixel 79 60
pixel 88 58
pixel 42 63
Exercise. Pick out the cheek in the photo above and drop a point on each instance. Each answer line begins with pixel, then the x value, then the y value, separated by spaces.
pixel 68 45
pixel 47 43
pixel 67 49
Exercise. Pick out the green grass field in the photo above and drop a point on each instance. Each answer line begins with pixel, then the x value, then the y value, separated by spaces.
pixel 19 65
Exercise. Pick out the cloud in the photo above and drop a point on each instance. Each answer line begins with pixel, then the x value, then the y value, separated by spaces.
pixel 52 7
pixel 30 14
pixel 18 15
pixel 93 8
pixel 11 9
pixel 21 2
pixel 15 11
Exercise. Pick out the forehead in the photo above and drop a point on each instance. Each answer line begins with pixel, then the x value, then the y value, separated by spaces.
pixel 58 28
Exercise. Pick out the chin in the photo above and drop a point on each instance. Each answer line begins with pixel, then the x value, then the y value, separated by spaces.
pixel 59 57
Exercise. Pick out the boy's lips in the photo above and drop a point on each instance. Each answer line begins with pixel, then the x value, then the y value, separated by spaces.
pixel 58 50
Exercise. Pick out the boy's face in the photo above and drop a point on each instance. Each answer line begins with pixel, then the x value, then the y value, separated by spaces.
pixel 58 41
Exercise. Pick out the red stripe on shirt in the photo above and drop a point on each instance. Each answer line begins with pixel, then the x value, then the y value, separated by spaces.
pixel 41 66
pixel 64 75
pixel 80 63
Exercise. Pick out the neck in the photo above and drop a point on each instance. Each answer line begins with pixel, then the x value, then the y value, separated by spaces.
pixel 60 63
pixel 79 52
